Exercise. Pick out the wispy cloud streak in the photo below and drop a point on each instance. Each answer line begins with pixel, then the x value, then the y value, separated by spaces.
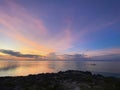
pixel 20 25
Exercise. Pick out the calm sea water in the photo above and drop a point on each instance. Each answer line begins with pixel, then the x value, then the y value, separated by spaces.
pixel 23 68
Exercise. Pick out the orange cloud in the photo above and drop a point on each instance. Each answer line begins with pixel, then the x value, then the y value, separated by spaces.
pixel 23 27
pixel 14 32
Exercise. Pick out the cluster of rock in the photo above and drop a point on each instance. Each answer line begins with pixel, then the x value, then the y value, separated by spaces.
pixel 68 80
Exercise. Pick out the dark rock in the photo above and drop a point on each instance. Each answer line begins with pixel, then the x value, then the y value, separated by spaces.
pixel 68 80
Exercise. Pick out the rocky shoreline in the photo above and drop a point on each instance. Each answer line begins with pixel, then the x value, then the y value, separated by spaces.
pixel 68 80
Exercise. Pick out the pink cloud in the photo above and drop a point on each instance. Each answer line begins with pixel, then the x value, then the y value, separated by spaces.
pixel 20 25
pixel 103 52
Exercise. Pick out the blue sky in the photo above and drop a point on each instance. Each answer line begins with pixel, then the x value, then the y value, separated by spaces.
pixel 62 26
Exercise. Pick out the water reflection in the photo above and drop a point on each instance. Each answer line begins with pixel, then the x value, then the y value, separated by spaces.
pixel 18 68
pixel 7 66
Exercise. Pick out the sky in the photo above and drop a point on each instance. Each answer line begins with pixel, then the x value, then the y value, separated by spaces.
pixel 29 28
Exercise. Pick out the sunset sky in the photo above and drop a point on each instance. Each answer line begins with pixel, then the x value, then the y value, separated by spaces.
pixel 40 27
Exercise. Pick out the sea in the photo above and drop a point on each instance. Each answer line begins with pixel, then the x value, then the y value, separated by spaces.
pixel 24 68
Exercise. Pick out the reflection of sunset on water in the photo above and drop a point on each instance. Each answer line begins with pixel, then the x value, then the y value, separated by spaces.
pixel 23 68
pixel 32 68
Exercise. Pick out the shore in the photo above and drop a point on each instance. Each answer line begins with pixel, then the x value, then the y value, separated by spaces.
pixel 68 80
